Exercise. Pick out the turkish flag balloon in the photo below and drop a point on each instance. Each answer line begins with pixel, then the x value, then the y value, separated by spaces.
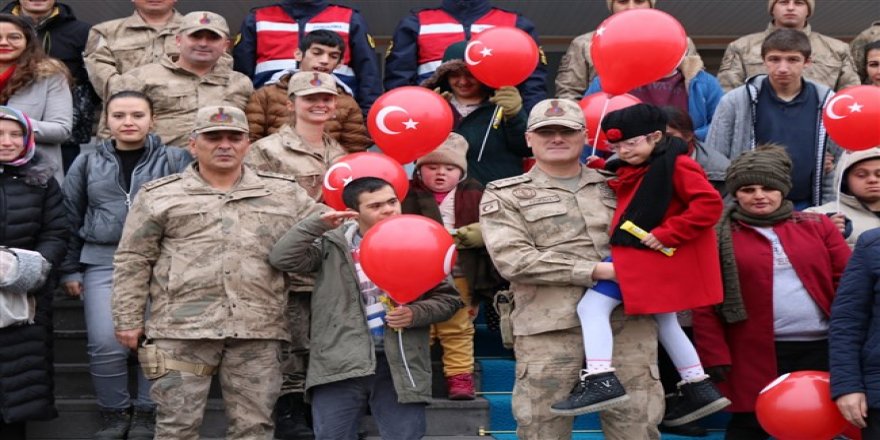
pixel 407 255
pixel 593 106
pixel 409 122
pixel 501 56
pixel 637 47
pixel 798 406
pixel 357 165
pixel 852 432
pixel 852 117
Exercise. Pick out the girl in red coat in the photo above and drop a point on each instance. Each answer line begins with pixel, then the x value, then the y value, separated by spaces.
pixel 672 267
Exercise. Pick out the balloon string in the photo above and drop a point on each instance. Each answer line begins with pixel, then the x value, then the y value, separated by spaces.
pixel 493 123
pixel 599 126
pixel 403 355
pixel 840 167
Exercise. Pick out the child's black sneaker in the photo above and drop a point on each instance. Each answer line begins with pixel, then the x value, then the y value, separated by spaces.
pixel 592 393
pixel 695 400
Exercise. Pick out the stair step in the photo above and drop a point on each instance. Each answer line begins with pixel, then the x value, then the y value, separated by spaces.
pixel 600 436
pixel 498 374
pixel 71 347
pixel 67 314
pixel 79 419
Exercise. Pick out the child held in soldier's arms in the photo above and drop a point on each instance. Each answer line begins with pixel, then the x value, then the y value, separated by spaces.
pixel 441 190
pixel 664 192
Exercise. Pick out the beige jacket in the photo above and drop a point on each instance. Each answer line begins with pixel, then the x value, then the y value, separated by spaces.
pixel 286 153
pixel 117 46
pixel 857 46
pixel 200 256
pixel 546 239
pixel 832 63
pixel 861 217
pixel 576 70
pixel 178 94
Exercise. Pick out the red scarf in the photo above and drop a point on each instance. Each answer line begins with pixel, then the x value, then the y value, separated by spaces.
pixel 4 77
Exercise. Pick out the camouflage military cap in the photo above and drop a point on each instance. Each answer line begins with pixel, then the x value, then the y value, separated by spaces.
pixel 310 83
pixel 204 20
pixel 220 118
pixel 562 112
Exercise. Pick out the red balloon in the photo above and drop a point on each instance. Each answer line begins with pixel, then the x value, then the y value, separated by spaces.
pixel 357 165
pixel 637 47
pixel 501 56
pixel 409 122
pixel 407 255
pixel 852 117
pixel 593 105
pixel 798 406
pixel 852 432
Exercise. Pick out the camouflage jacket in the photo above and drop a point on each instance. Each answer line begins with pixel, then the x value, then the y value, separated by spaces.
pixel 117 46
pixel 200 257
pixel 546 239
pixel 285 152
pixel 178 94
pixel 832 63
pixel 576 70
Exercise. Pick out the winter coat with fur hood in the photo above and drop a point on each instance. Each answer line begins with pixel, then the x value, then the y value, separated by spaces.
pixel 33 219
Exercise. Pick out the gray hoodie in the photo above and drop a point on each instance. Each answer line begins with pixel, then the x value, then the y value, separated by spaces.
pixel 733 131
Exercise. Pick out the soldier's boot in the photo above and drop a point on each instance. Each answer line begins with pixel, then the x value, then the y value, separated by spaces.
pixel 592 393
pixel 143 424
pixel 114 425
pixel 695 400
pixel 291 419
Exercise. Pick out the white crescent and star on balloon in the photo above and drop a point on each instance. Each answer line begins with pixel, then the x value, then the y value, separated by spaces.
pixel 854 108
pixel 484 52
pixel 409 124
pixel 345 180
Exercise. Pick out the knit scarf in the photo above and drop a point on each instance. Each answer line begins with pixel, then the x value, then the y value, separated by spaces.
pixel 732 308
pixel 651 200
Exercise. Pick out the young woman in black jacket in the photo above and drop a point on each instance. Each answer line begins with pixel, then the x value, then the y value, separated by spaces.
pixel 32 219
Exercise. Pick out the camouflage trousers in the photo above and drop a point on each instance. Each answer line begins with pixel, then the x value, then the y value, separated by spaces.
pixel 547 366
pixel 295 354
pixel 250 377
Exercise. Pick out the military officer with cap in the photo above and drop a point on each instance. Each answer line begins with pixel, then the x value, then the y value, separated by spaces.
pixel 195 248
pixel 547 232
pixel 198 77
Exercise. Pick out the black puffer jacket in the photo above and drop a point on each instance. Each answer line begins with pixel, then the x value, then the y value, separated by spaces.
pixel 96 203
pixel 64 37
pixel 32 218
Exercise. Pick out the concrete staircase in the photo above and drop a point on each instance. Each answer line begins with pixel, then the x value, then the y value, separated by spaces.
pixel 78 411
pixel 489 416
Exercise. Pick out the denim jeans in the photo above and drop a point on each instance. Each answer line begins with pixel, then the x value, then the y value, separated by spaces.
pixel 338 407
pixel 108 360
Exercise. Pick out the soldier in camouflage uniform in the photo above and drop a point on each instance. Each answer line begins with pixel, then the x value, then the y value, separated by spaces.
pixel 304 151
pixel 195 247
pixel 547 231
pixel 831 62
pixel 117 46
pixel 198 77
pixel 857 46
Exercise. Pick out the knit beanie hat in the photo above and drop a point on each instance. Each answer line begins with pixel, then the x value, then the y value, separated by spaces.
pixel 453 151
pixel 810 4
pixel 652 2
pixel 633 121
pixel 30 148
pixel 768 165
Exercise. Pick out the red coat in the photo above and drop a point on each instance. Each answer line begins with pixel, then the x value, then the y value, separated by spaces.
pixel 650 281
pixel 818 254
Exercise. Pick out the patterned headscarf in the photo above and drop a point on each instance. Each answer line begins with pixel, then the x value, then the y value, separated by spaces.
pixel 12 114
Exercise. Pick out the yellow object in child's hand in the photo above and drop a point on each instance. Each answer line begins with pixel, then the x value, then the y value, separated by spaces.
pixel 640 233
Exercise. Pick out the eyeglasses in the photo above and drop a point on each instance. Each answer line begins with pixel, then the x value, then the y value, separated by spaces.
pixel 13 37
pixel 549 132
pixel 629 143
